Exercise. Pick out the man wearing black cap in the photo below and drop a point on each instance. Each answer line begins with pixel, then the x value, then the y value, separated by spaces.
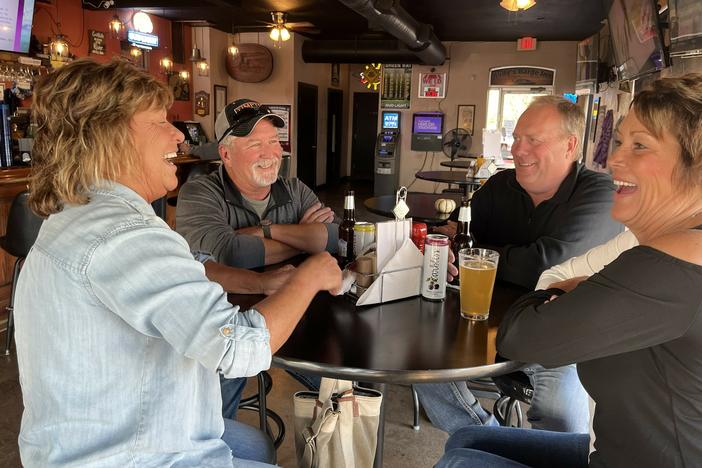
pixel 243 214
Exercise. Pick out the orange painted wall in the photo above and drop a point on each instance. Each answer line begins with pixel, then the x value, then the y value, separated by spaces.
pixel 75 23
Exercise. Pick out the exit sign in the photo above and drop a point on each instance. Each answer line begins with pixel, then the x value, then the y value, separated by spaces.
pixel 526 43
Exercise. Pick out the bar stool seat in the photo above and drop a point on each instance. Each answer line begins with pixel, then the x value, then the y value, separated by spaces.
pixel 21 233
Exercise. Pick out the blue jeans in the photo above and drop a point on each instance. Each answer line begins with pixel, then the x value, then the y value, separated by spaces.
pixel 560 402
pixel 250 447
pixel 507 447
pixel 231 395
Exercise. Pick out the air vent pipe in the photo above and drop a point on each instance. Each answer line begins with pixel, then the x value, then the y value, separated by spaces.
pixel 389 16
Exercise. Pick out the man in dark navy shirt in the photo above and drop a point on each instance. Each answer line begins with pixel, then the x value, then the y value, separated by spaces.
pixel 545 211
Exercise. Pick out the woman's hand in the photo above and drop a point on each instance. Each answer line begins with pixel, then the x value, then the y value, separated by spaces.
pixel 569 284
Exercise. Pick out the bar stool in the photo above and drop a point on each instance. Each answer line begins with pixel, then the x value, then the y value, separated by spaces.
pixel 22 230
pixel 257 403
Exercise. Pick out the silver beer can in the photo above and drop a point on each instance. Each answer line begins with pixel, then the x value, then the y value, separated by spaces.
pixel 436 247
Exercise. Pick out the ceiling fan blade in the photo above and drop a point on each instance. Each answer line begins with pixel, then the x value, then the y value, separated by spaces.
pixel 300 24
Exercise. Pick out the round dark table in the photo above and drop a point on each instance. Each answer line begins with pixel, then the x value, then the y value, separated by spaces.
pixel 451 177
pixel 457 163
pixel 421 206
pixel 407 341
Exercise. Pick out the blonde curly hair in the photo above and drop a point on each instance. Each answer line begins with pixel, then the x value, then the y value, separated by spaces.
pixel 83 112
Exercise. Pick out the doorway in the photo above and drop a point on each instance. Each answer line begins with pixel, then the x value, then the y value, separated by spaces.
pixel 335 104
pixel 307 134
pixel 365 129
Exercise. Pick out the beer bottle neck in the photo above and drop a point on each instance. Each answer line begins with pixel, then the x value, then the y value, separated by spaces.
pixel 349 203
pixel 349 214
pixel 464 214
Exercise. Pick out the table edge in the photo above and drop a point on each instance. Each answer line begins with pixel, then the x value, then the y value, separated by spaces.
pixel 397 376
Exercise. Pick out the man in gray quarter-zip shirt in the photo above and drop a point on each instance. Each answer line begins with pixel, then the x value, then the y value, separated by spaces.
pixel 244 215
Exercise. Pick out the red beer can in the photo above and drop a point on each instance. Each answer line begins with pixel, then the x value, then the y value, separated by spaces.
pixel 419 235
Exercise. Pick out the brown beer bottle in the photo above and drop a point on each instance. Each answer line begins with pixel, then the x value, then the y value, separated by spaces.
pixel 462 239
pixel 346 230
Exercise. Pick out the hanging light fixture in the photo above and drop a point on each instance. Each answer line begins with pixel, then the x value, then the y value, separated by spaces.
pixel 116 27
pixel 279 33
pixel 58 48
pixel 233 49
pixel 195 55
pixel 184 74
pixel 135 52
pixel 517 5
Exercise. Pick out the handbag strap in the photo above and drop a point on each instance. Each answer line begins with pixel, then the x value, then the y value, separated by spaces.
pixel 330 386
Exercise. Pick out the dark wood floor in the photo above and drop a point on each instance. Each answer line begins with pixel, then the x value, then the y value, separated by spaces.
pixel 10 392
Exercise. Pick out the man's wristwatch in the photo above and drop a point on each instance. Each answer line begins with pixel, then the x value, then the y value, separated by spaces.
pixel 266 226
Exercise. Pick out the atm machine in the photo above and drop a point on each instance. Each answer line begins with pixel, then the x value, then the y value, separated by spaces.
pixel 387 155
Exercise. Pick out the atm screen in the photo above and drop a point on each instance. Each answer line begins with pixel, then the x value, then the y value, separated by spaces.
pixel 391 120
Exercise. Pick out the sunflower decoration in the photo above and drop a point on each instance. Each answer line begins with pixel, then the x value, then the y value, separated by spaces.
pixel 370 76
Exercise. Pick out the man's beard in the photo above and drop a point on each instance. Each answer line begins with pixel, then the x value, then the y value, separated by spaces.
pixel 265 177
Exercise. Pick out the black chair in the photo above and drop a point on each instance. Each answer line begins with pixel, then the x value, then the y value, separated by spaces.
pixel 22 230
pixel 257 402
pixel 196 170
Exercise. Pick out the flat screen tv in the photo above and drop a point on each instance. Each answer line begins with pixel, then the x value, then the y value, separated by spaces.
pixel 636 38
pixel 16 25
pixel 428 122
pixel 685 27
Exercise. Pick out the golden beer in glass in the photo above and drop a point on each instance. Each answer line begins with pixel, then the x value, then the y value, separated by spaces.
pixel 477 270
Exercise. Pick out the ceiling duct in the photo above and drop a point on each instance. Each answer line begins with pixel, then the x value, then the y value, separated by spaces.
pixel 357 51
pixel 389 16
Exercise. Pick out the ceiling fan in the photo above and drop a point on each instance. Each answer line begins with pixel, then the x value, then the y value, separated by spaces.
pixel 280 23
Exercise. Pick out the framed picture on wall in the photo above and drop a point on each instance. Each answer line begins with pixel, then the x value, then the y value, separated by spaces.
pixel 220 99
pixel 466 114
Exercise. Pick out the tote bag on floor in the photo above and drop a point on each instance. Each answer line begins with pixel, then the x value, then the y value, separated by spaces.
pixel 337 427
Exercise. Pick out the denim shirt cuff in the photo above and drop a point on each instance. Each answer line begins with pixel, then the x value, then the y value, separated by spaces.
pixel 249 352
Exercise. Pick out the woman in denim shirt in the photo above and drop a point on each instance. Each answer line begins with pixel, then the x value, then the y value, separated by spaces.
pixel 120 335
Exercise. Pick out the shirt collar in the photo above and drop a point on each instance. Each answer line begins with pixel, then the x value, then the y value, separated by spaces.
pixel 279 192
pixel 116 189
pixel 565 190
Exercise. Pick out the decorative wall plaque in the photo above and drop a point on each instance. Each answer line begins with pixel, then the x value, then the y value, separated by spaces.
pixel 202 103
pixel 253 63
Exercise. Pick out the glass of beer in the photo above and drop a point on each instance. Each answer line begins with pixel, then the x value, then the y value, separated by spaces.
pixel 477 269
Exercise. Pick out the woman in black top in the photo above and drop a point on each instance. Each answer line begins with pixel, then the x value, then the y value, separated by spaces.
pixel 634 328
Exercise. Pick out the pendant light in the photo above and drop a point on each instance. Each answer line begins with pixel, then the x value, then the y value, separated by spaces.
pixel 116 27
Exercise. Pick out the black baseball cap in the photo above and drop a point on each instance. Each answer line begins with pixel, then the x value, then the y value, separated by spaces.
pixel 241 116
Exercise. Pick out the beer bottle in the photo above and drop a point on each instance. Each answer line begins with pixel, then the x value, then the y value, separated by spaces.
pixel 346 230
pixel 462 239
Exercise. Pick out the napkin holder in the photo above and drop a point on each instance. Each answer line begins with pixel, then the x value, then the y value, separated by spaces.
pixel 399 278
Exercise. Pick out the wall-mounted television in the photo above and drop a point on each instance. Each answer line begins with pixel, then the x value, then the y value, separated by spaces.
pixel 685 27
pixel 428 122
pixel 16 25
pixel 636 38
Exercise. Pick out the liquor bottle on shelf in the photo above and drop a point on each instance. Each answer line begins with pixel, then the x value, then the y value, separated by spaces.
pixel 346 230
pixel 462 239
